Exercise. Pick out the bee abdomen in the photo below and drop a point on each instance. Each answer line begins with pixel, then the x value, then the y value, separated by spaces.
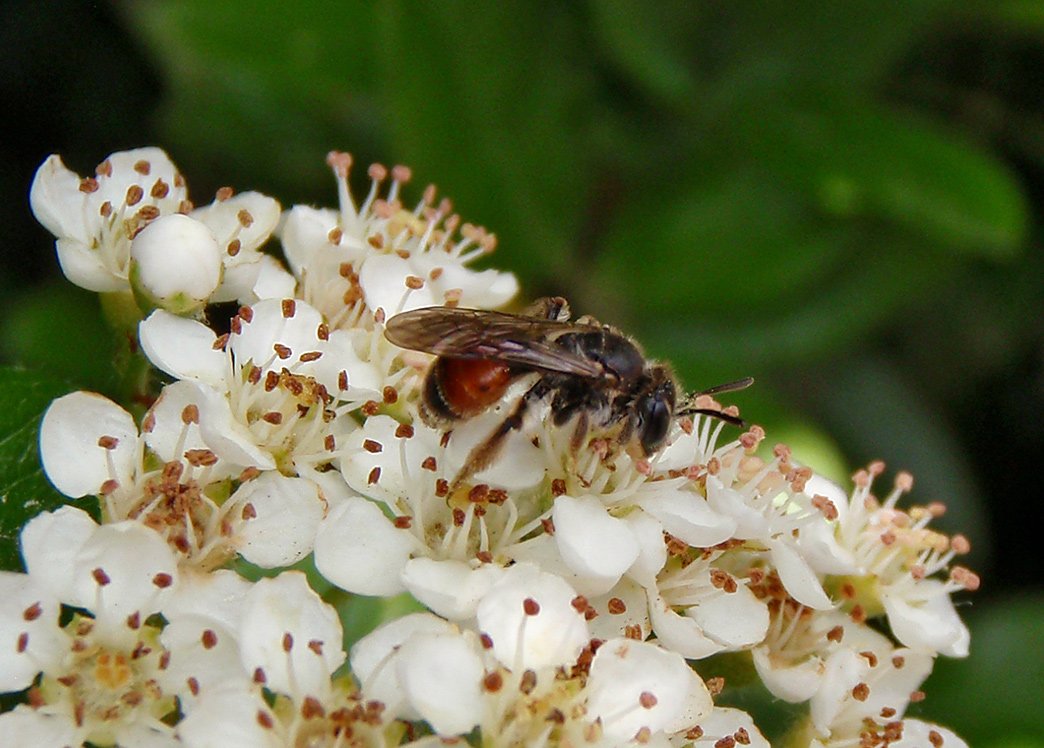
pixel 457 388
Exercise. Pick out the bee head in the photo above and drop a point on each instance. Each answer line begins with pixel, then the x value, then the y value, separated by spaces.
pixel 654 409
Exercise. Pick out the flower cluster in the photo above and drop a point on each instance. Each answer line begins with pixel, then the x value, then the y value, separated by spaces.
pixel 569 591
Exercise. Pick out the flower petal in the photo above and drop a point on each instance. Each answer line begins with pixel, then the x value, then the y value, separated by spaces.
pixel 452 589
pixel 441 675
pixel 291 634
pixel 73 457
pixel 360 550
pixel 183 348
pixel 595 545
pixel 530 617
pixel 282 522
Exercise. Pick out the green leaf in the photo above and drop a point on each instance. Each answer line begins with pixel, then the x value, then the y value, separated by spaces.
pixel 651 43
pixel 495 105
pixel 836 312
pixel 24 490
pixel 59 327
pixel 736 237
pixel 857 160
pixel 244 75
pixel 806 42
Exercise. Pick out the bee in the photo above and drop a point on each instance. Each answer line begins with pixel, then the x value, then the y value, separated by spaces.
pixel 591 374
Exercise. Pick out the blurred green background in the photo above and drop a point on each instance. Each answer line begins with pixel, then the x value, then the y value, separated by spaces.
pixel 840 199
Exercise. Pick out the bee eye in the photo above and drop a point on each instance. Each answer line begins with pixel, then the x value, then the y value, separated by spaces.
pixel 654 420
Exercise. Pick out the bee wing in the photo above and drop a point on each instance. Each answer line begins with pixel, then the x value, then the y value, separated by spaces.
pixel 475 333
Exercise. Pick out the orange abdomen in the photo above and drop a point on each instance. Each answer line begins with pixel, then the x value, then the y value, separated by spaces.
pixel 469 386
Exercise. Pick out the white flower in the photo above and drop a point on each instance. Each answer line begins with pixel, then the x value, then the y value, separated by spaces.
pixel 380 256
pixel 89 445
pixel 289 645
pixel 242 224
pixel 699 609
pixel 896 557
pixel 637 688
pixel 96 219
pixel 767 503
pixel 265 391
pixel 447 550
pixel 175 264
pixel 102 675
pixel 532 619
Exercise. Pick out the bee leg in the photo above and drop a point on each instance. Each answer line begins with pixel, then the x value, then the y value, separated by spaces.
pixel 484 453
pixel 580 431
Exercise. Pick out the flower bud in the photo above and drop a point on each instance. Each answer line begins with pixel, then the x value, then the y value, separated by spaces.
pixel 175 265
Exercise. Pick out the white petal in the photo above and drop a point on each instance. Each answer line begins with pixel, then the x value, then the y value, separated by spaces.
pixel 917 734
pixel 305 231
pixel 652 553
pixel 25 726
pixel 441 675
pixel 227 437
pixel 486 289
pixel 282 526
pixel 621 610
pixel 168 430
pixel 171 438
pixel 175 263
pixel 228 718
pixel 51 542
pixel 72 458
pixel 843 670
pixel 139 565
pixel 797 576
pixel 593 543
pixel 749 522
pixel 383 281
pixel 183 348
pixel 218 595
pixel 680 633
pixel 518 465
pixel 373 659
pixel 268 280
pixel 85 267
pixel 791 682
pixel 929 622
pixel 553 635
pixel 291 634
pixel 146 734
pixel 736 620
pixel 625 673
pixel 824 553
pixel 57 201
pixel 269 328
pixel 725 722
pixel 688 517
pixel 204 650
pixel 28 643
pixel 225 219
pixel 360 550
pixel 452 589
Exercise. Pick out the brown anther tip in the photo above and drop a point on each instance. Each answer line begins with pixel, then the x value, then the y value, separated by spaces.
pixel 377 172
pixel 530 606
pixel 340 162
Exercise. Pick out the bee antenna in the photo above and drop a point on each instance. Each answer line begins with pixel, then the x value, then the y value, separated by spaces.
pixel 689 406
pixel 739 384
